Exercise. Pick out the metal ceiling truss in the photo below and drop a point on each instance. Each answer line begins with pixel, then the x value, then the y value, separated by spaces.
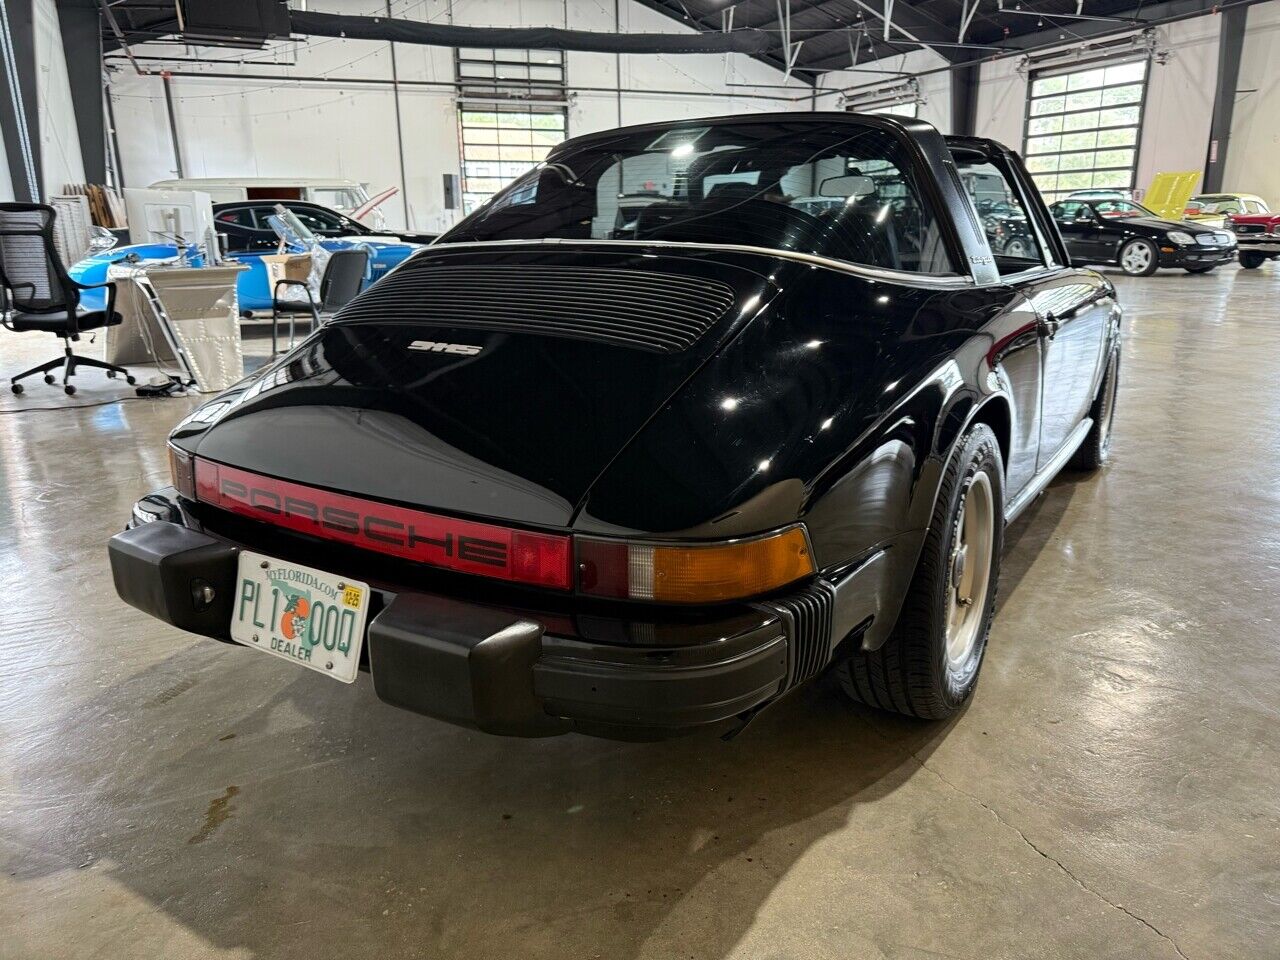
pixel 814 37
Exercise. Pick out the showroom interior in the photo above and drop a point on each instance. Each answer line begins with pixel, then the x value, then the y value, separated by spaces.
pixel 653 496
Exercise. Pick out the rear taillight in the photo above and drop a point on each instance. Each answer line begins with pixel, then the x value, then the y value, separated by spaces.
pixel 182 470
pixel 693 573
pixel 485 549
pixel 663 572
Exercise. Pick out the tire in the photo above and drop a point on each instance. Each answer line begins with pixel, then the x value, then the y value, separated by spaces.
pixel 1139 258
pixel 1208 269
pixel 1017 247
pixel 914 672
pixel 16 387
pixel 1096 449
pixel 1252 261
pixel 69 390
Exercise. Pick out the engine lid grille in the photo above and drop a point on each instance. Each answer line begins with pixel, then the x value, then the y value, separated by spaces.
pixel 643 310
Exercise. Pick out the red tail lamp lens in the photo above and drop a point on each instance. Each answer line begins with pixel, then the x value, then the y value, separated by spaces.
pixel 485 549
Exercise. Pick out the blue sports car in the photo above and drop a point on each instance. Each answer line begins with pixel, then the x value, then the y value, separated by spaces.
pixel 253 287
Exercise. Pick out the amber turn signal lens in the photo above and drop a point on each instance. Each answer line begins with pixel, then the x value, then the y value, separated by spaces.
pixel 694 573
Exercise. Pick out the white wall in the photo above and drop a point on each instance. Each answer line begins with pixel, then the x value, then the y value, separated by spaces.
pixel 60 159
pixel 1179 108
pixel 1253 156
pixel 273 127
pixel 935 88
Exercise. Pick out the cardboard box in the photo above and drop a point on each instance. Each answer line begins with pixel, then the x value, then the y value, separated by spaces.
pixel 287 266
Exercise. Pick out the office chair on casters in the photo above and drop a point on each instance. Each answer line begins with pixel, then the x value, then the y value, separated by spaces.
pixel 343 274
pixel 37 294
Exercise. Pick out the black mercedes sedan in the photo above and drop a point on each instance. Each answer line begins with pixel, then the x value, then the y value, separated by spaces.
pixel 637 475
pixel 1130 236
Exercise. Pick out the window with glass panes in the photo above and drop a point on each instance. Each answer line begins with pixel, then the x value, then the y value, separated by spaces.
pixel 502 140
pixel 1083 127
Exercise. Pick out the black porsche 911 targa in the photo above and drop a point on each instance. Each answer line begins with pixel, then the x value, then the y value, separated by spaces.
pixel 545 476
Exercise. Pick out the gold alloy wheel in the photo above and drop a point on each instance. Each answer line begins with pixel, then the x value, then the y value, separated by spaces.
pixel 970 570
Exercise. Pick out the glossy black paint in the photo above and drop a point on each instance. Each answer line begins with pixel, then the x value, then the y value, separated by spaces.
pixel 826 394
pixel 1096 239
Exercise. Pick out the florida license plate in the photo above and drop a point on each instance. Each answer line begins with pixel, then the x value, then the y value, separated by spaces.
pixel 306 616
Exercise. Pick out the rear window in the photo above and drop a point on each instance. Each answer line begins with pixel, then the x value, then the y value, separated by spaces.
pixel 843 191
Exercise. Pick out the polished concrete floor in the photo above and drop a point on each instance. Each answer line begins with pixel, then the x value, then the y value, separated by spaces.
pixel 1113 790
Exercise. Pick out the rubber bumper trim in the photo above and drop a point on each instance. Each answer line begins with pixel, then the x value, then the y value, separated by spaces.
pixel 158 567
pixel 498 670
pixel 459 662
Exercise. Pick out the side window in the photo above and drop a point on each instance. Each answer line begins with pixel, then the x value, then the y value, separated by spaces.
pixel 1253 206
pixel 236 216
pixel 318 220
pixel 1011 232
pixel 260 214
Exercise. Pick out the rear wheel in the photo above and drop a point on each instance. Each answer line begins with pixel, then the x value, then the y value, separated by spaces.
pixel 1139 258
pixel 1096 449
pixel 929 665
pixel 1252 261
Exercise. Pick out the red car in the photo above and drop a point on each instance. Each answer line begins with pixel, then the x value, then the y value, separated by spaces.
pixel 1257 238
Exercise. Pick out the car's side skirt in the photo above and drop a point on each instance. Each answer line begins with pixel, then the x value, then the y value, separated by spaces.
pixel 1048 472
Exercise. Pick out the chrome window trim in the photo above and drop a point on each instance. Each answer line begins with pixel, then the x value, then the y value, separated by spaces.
pixel 881 274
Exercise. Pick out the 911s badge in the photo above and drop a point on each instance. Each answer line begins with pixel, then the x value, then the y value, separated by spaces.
pixel 460 349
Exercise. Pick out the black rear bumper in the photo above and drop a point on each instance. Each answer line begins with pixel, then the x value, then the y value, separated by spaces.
pixel 507 671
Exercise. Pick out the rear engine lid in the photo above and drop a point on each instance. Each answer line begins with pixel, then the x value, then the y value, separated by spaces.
pixel 492 383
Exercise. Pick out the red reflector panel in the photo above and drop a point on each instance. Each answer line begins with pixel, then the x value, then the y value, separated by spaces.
pixel 519 556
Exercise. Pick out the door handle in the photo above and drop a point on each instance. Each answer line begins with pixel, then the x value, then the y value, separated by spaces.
pixel 1049 326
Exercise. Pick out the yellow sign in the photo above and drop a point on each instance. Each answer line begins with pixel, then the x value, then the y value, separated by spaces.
pixel 1169 192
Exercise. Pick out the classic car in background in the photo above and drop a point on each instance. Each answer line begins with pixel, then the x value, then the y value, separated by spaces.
pixel 1203 213
pixel 1217 209
pixel 543 478
pixel 1258 236
pixel 1124 233
pixel 253 288
pixel 244 223
pixel 1230 204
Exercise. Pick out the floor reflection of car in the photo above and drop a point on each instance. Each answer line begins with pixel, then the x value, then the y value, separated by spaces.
pixel 244 224
pixel 1132 237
